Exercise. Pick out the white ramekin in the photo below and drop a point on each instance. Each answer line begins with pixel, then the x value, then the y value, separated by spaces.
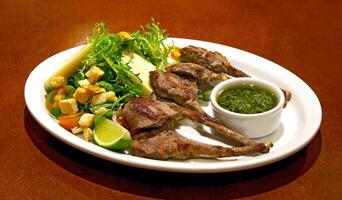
pixel 250 125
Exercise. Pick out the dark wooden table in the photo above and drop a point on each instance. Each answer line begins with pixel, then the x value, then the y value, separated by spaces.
pixel 303 36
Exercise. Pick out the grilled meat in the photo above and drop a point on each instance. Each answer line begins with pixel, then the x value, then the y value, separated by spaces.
pixel 171 86
pixel 144 113
pixel 156 114
pixel 212 60
pixel 197 72
pixel 181 90
pixel 167 144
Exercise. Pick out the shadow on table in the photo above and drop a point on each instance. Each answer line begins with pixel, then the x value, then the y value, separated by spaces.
pixel 172 185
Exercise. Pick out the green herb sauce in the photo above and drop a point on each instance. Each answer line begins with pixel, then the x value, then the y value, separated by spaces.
pixel 247 99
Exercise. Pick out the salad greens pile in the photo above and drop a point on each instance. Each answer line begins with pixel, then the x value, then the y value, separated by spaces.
pixel 150 45
pixel 106 52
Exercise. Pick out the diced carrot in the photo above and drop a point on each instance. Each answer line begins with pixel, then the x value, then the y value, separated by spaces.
pixel 70 121
pixel 60 90
pixel 175 54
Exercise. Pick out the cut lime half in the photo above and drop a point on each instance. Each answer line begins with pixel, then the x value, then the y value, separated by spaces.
pixel 111 135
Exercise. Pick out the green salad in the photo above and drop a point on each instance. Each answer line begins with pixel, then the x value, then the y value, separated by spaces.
pixel 106 73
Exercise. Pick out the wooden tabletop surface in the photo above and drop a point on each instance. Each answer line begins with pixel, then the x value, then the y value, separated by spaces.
pixel 303 36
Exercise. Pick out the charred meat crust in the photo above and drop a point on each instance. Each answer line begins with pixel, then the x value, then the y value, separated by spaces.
pixel 171 86
pixel 212 60
pixel 144 112
pixel 195 71
pixel 182 90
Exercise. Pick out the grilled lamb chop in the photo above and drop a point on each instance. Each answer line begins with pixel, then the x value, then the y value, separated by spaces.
pixel 171 86
pixel 181 90
pixel 144 113
pixel 167 144
pixel 212 60
pixel 195 71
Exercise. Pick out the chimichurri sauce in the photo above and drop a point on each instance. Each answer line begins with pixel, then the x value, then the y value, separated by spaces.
pixel 247 99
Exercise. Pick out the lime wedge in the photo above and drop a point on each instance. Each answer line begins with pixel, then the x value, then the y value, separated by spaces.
pixel 111 135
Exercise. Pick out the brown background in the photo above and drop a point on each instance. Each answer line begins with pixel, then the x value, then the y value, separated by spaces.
pixel 303 36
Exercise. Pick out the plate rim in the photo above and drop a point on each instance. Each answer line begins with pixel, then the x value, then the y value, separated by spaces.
pixel 92 149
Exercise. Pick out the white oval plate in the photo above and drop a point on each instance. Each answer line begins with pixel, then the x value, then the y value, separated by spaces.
pixel 300 120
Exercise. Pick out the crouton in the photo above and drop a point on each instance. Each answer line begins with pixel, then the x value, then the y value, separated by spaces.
pixel 77 130
pixel 111 96
pixel 87 134
pixel 57 81
pixel 86 120
pixel 84 83
pixel 94 74
pixel 101 111
pixel 68 106
pixel 82 95
pixel 99 99
pixel 95 90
